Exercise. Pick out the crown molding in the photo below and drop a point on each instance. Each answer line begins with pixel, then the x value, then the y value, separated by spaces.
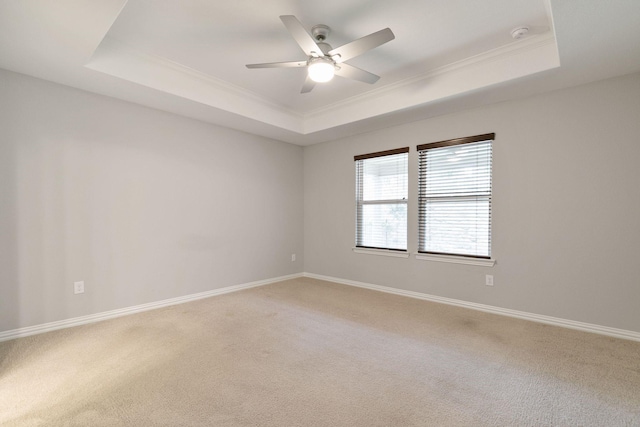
pixel 516 48
pixel 512 61
pixel 121 60
pixel 515 60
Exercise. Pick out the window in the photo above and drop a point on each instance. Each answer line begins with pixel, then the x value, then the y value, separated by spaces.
pixel 381 199
pixel 454 198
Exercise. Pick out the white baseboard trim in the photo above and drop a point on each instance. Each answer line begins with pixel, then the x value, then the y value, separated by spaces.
pixel 565 323
pixel 92 318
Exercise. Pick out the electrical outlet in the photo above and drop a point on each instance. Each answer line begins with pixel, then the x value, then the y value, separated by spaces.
pixel 293 257
pixel 78 287
pixel 488 280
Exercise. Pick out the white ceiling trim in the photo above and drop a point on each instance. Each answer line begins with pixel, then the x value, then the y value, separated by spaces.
pixel 490 68
pixel 515 48
pixel 120 60
pixel 509 62
pixel 56 41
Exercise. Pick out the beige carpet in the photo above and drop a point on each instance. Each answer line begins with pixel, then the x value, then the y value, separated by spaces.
pixel 311 353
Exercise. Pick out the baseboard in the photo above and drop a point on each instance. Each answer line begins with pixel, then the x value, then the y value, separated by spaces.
pixel 92 318
pixel 570 324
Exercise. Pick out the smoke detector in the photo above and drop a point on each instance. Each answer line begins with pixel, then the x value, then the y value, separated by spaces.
pixel 520 32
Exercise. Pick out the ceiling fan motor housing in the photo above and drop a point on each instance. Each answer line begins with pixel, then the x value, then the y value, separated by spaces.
pixel 320 32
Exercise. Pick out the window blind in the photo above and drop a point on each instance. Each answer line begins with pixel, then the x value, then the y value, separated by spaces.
pixel 381 199
pixel 454 196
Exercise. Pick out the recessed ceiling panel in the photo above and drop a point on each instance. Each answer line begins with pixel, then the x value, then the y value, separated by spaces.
pixel 188 57
pixel 219 38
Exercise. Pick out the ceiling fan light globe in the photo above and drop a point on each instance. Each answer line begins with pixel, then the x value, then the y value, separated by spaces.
pixel 321 71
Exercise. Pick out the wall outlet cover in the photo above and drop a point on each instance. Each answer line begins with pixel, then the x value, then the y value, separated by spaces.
pixel 78 287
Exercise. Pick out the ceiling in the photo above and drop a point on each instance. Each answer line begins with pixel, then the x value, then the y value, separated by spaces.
pixel 188 56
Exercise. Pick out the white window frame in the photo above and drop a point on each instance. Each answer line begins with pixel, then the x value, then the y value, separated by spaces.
pixel 424 198
pixel 360 203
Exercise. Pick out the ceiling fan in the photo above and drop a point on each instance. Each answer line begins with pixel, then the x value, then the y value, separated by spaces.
pixel 323 61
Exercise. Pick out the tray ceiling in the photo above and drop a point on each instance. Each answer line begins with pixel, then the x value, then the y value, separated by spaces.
pixel 189 56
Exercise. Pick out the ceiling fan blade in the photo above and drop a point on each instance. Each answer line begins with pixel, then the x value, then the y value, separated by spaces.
pixel 360 46
pixel 291 64
pixel 301 36
pixel 355 73
pixel 308 85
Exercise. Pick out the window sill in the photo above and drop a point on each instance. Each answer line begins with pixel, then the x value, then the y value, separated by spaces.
pixel 456 259
pixel 382 252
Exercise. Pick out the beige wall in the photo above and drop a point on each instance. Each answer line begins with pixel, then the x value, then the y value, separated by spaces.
pixel 566 206
pixel 140 204
pixel 144 205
